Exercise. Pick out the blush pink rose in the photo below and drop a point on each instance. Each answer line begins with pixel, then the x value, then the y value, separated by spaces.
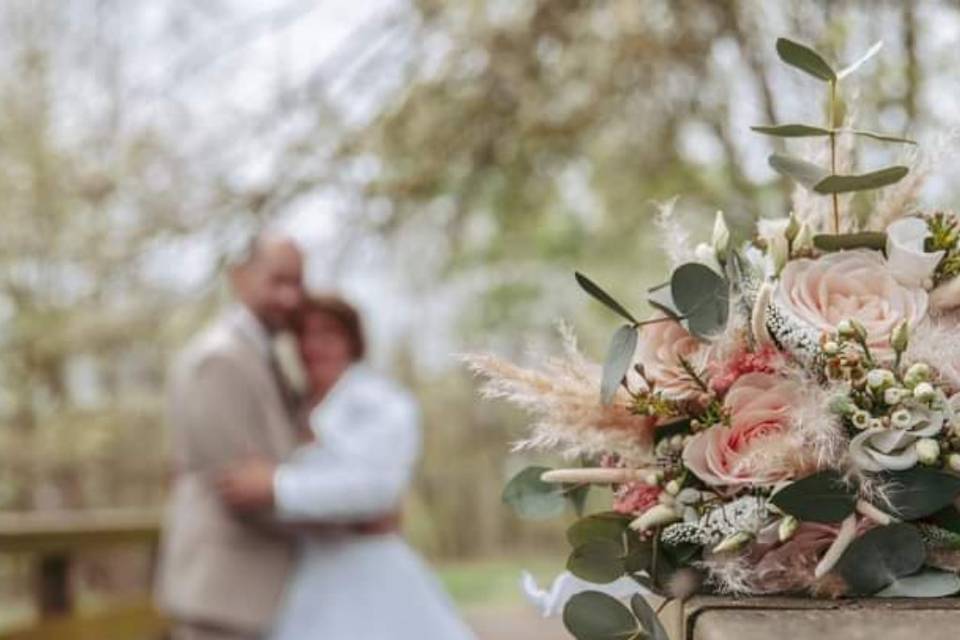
pixel 635 498
pixel 659 350
pixel 760 407
pixel 850 285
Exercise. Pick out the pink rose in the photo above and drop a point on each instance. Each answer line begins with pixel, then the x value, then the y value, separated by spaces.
pixel 660 348
pixel 849 285
pixel 760 407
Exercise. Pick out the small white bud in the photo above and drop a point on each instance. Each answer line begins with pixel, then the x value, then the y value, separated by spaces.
pixel 804 239
pixel 860 419
pixel 953 461
pixel 924 392
pixel 875 423
pixel 721 235
pixel 788 526
pixel 831 348
pixel 880 378
pixel 845 329
pixel 928 451
pixel 841 404
pixel 917 373
pixel 894 395
pixel 779 252
pixel 651 479
pixel 900 336
pixel 901 419
pixel 672 487
pixel 676 442
pixel 658 514
pixel 733 542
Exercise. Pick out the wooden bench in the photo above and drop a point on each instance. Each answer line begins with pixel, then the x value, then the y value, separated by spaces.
pixel 52 541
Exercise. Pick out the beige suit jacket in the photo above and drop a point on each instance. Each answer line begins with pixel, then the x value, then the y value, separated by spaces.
pixel 224 405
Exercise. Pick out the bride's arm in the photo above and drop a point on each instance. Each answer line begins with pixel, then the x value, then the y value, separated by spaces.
pixel 363 486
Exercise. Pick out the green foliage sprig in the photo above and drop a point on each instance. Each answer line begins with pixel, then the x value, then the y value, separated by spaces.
pixel 813 177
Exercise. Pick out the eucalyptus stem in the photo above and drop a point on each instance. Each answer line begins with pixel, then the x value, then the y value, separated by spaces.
pixel 832 125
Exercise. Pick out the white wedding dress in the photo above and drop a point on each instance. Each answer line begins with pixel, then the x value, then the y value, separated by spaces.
pixel 349 586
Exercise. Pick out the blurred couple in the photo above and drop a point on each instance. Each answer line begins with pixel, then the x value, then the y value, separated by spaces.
pixel 283 516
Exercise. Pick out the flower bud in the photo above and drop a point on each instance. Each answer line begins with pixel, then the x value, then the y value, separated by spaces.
pixel 804 240
pixel 894 395
pixel 672 487
pixel 733 542
pixel 924 392
pixel 901 419
pixel 880 379
pixel 788 526
pixel 845 329
pixel 831 348
pixel 860 419
pixel 655 516
pixel 721 236
pixel 917 373
pixel 859 331
pixel 900 337
pixel 928 451
pixel 875 423
pixel 793 227
pixel 779 252
pixel 953 461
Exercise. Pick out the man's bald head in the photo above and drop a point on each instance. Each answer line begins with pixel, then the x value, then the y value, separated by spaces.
pixel 268 279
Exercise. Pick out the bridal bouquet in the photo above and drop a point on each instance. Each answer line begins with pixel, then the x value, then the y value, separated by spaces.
pixel 786 421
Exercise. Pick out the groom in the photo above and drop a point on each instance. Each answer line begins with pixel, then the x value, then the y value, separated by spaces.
pixel 221 577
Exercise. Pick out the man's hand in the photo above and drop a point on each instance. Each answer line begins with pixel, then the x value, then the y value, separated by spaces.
pixel 248 486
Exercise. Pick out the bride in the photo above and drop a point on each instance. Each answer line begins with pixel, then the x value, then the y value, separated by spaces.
pixel 349 583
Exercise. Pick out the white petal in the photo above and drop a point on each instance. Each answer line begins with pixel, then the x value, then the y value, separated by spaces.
pixel 907 261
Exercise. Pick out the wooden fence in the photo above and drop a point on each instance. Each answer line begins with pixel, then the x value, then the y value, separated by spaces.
pixel 53 541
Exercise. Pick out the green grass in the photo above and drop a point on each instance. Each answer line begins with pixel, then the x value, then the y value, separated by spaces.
pixel 496 582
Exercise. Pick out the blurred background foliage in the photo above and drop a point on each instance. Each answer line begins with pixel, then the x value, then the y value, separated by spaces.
pixel 448 164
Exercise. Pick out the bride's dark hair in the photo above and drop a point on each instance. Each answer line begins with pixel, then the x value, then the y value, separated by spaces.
pixel 341 311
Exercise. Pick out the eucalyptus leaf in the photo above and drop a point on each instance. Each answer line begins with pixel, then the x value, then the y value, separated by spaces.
pixel 618 361
pixel 702 296
pixel 598 561
pixel 859 62
pixel 882 137
pixel 577 496
pixel 608 525
pixel 879 557
pixel 591 615
pixel 791 130
pixel 599 294
pixel 920 492
pixel 927 584
pixel 803 172
pixel 821 497
pixel 531 497
pixel 648 618
pixel 806 59
pixel 861 182
pixel 876 240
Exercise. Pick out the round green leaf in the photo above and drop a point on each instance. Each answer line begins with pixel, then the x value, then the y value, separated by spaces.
pixel 618 361
pixel 702 296
pixel 608 525
pixel 929 584
pixel 880 556
pixel 531 497
pixel 920 492
pixel 821 497
pixel 806 59
pixel 648 618
pixel 591 615
pixel 597 561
